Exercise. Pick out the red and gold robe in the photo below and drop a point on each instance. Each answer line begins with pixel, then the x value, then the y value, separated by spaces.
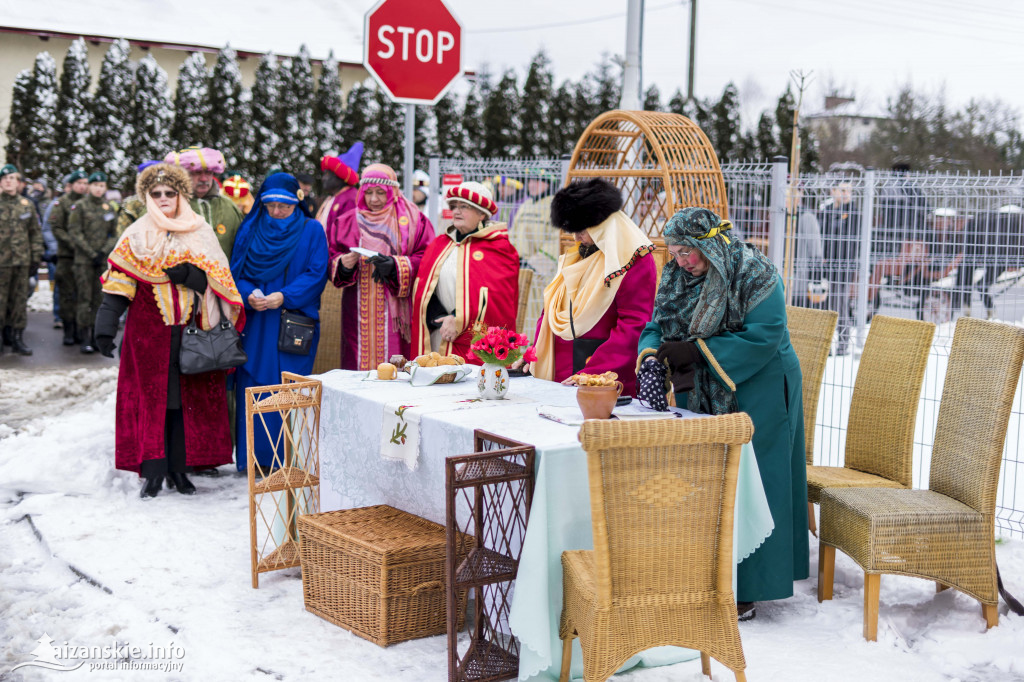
pixel 486 286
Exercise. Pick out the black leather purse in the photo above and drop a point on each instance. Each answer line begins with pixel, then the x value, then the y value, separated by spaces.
pixel 296 333
pixel 211 350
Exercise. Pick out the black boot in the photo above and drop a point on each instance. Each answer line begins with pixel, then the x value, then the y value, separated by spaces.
pixel 151 488
pixel 69 333
pixel 746 610
pixel 181 483
pixel 88 344
pixel 8 336
pixel 18 342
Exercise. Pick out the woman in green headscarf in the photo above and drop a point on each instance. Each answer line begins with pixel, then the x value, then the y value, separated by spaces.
pixel 720 326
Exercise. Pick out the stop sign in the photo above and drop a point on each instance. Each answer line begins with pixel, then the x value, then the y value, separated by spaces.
pixel 413 48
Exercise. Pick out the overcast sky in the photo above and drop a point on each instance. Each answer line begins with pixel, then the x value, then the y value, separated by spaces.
pixel 865 47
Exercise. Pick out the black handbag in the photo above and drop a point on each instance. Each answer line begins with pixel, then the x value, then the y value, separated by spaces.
pixel 296 333
pixel 211 350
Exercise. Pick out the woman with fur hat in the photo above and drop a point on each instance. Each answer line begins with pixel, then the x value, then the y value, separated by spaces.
pixel 603 293
pixel 469 275
pixel 720 325
pixel 376 311
pixel 280 264
pixel 165 268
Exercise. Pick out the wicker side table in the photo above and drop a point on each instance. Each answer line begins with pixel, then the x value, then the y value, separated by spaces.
pixel 488 497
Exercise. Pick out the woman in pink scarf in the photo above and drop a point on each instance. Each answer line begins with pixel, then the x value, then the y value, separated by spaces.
pixel 376 308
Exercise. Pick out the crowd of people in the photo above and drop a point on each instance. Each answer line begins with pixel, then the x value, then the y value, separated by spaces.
pixel 197 246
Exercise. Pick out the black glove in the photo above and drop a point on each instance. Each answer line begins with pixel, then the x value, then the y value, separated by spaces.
pixel 188 275
pixel 384 268
pixel 681 357
pixel 105 345
pixel 99 260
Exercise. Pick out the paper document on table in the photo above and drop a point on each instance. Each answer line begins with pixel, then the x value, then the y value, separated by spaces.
pixel 364 252
pixel 636 411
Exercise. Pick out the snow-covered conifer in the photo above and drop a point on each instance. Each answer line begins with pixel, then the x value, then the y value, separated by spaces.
pixel 111 132
pixel 73 149
pixel 192 104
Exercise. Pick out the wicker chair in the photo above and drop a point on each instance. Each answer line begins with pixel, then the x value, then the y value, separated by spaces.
pixel 661 503
pixel 810 332
pixel 883 410
pixel 328 352
pixel 525 280
pixel 945 533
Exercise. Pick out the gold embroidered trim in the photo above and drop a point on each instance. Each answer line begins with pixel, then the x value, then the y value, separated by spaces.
pixel 710 357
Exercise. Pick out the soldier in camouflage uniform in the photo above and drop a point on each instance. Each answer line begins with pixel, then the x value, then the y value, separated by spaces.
pixel 132 208
pixel 92 229
pixel 21 248
pixel 65 280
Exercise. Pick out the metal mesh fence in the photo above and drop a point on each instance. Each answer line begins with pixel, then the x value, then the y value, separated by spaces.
pixel 930 246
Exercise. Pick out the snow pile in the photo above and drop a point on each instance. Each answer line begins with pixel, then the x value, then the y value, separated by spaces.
pixel 86 561
pixel 41 300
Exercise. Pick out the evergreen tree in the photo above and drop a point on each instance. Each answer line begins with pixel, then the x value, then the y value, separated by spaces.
pixel 19 122
pixel 328 110
pixel 784 120
pixel 765 145
pixel 652 99
pixel 40 160
pixel 424 140
pixel 152 112
pixel 72 150
pixel 725 125
pixel 227 123
pixel 607 86
pixel 447 127
pixel 500 122
pixel 564 121
pixel 534 113
pixel 677 103
pixel 295 114
pixel 192 104
pixel 263 115
pixel 359 115
pixel 386 135
pixel 111 133
pixel 472 114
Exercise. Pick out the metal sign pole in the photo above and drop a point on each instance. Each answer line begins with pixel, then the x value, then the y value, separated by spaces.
pixel 410 143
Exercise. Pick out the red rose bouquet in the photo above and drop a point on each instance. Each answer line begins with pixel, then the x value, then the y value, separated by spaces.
pixel 498 346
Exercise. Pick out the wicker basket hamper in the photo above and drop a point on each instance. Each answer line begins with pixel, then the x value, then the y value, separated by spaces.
pixel 376 571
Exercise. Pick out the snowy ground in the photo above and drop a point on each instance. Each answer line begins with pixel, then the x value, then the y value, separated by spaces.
pixel 86 562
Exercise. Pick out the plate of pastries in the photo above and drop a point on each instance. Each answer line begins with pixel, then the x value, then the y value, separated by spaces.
pixel 425 370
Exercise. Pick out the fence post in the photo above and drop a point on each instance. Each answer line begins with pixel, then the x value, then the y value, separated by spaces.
pixel 777 214
pixel 433 212
pixel 566 160
pixel 867 221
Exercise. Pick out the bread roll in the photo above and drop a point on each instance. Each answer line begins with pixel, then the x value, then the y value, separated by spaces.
pixel 386 371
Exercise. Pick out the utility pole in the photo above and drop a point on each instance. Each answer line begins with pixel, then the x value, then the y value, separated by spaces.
pixel 693 49
pixel 632 70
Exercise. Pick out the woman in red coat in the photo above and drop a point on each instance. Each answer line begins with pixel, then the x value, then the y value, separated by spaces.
pixel 469 274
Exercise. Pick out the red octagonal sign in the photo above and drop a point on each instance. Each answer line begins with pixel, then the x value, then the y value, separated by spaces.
pixel 413 48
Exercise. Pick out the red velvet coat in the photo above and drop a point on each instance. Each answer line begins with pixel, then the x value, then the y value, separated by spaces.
pixel 486 289
pixel 142 395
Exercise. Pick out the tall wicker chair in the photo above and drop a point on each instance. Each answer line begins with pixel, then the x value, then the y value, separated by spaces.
pixel 525 280
pixel 883 410
pixel 661 504
pixel 945 533
pixel 328 352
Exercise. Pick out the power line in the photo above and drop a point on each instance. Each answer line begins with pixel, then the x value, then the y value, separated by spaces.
pixel 575 22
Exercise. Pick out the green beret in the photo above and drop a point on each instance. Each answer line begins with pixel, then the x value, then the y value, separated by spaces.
pixel 77 175
pixel 98 176
pixel 8 169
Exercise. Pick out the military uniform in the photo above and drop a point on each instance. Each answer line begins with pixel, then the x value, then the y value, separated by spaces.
pixel 21 249
pixel 222 215
pixel 132 209
pixel 92 231
pixel 65 276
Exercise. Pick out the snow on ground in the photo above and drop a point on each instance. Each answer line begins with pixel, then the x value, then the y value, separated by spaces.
pixel 41 299
pixel 86 561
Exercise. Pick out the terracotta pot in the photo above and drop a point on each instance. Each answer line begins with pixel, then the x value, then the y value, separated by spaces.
pixel 597 402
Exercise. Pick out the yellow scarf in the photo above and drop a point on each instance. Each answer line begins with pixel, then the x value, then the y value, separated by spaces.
pixel 589 284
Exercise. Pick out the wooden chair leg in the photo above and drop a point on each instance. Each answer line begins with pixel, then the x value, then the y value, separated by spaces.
pixel 826 570
pixel 741 676
pixel 872 584
pixel 991 613
pixel 566 659
pixel 939 587
pixel 812 525
pixel 705 664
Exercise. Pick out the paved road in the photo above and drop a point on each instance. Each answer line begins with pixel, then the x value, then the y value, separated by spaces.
pixel 48 353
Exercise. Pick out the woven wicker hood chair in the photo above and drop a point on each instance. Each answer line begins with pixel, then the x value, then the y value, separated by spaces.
pixel 883 410
pixel 525 280
pixel 661 498
pixel 810 332
pixel 945 533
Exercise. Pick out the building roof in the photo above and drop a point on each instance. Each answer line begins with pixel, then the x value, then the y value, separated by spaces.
pixel 254 26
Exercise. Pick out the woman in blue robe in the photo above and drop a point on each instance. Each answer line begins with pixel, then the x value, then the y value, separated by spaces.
pixel 279 263
pixel 720 326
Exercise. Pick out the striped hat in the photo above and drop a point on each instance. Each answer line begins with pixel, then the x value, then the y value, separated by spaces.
pixel 474 194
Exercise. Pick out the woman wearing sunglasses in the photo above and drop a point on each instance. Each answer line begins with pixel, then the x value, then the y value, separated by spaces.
pixel 165 268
